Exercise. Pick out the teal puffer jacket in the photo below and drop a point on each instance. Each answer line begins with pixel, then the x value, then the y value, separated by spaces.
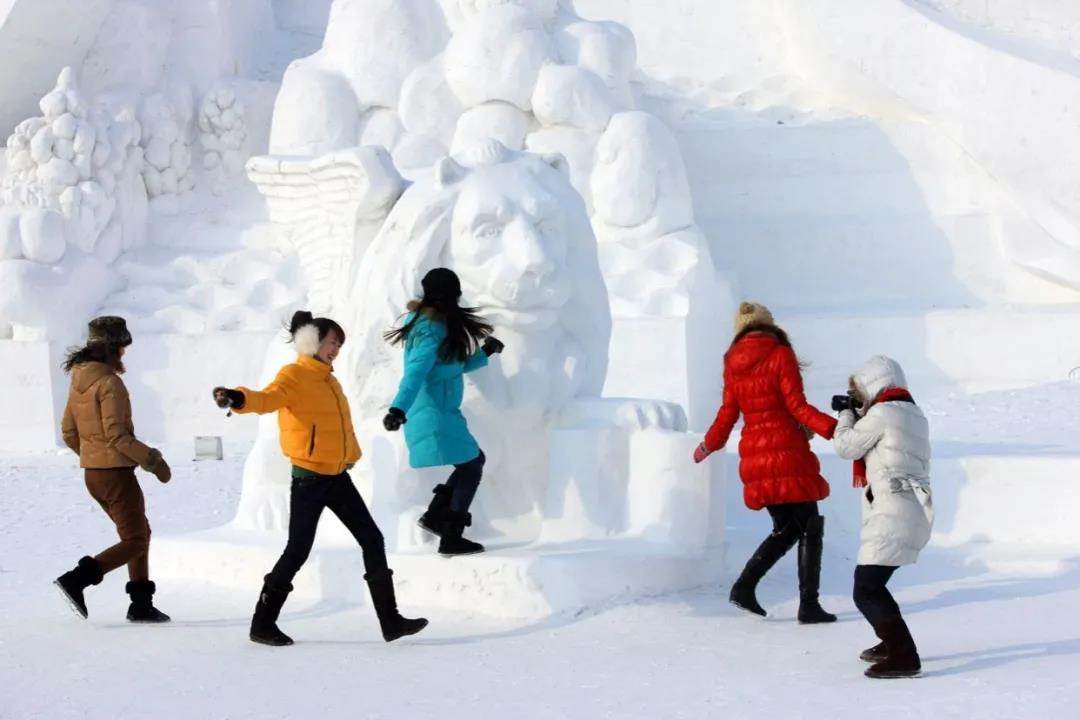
pixel 430 393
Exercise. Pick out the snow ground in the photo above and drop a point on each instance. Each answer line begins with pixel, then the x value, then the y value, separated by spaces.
pixel 994 645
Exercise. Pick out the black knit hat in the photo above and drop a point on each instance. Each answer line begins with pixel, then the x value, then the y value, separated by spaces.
pixel 109 330
pixel 441 284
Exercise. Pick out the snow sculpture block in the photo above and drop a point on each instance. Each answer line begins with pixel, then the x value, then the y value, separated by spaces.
pixel 498 55
pixel 369 49
pixel 70 189
pixel 607 49
pixel 315 112
pixel 427 105
pixel 223 133
pixel 567 95
pixel 491 121
pixel 666 292
pixel 167 152
pixel 619 468
pixel 468 9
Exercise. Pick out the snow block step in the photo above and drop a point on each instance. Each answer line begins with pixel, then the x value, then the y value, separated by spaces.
pixel 508 581
pixel 972 350
pixel 989 505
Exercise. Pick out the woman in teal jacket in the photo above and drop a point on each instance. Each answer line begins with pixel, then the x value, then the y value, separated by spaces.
pixel 443 341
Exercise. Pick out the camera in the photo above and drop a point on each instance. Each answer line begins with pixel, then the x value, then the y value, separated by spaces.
pixel 844 402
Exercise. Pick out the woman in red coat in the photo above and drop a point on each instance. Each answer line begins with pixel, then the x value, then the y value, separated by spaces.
pixel 763 383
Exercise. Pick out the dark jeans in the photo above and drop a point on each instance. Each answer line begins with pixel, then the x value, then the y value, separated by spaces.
pixel 464 481
pixel 308 497
pixel 790 519
pixel 871 596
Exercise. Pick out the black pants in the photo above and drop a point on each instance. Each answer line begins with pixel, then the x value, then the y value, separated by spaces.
pixel 308 496
pixel 871 596
pixel 464 481
pixel 791 519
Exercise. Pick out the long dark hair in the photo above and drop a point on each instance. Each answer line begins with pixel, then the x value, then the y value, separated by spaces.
pixel 776 332
pixel 465 329
pixel 107 353
pixel 301 318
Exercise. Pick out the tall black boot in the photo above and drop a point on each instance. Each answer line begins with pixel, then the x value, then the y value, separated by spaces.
pixel 810 548
pixel 902 659
pixel 774 547
pixel 142 608
pixel 434 519
pixel 73 582
pixel 452 542
pixel 393 625
pixel 264 627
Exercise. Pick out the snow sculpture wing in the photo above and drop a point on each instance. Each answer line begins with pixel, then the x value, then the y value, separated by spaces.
pixel 324 200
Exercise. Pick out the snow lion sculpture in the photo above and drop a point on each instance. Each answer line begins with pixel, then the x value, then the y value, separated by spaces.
pixel 517 233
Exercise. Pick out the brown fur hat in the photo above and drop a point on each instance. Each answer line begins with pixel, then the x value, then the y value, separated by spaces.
pixel 752 314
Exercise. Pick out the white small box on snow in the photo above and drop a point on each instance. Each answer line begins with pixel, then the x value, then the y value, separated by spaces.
pixel 208 447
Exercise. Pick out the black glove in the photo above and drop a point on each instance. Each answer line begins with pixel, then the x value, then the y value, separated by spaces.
pixel 492 346
pixel 394 419
pixel 228 398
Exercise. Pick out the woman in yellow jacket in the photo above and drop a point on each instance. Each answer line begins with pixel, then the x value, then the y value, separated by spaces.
pixel 317 436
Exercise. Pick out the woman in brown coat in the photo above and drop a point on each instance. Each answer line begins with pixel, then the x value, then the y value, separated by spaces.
pixel 97 427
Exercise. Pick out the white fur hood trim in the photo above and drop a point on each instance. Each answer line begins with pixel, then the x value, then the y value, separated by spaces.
pixel 307 340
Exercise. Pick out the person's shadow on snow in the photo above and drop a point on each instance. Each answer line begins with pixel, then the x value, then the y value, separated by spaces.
pixel 979 660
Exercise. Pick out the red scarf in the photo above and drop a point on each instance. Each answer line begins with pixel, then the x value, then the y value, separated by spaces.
pixel 886 395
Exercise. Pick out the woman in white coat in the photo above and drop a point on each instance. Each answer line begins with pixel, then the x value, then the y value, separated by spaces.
pixel 888 437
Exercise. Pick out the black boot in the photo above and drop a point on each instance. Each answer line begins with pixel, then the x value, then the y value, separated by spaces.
pixel 874 654
pixel 264 627
pixel 810 547
pixel 452 543
pixel 381 586
pixel 73 582
pixel 142 608
pixel 902 659
pixel 434 519
pixel 774 547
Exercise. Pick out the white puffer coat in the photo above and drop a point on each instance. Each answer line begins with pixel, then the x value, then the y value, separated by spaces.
pixel 894 440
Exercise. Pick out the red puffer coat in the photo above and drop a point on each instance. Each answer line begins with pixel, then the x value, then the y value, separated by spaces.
pixel 762 382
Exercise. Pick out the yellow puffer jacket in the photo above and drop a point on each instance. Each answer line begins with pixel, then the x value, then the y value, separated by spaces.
pixel 313 415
